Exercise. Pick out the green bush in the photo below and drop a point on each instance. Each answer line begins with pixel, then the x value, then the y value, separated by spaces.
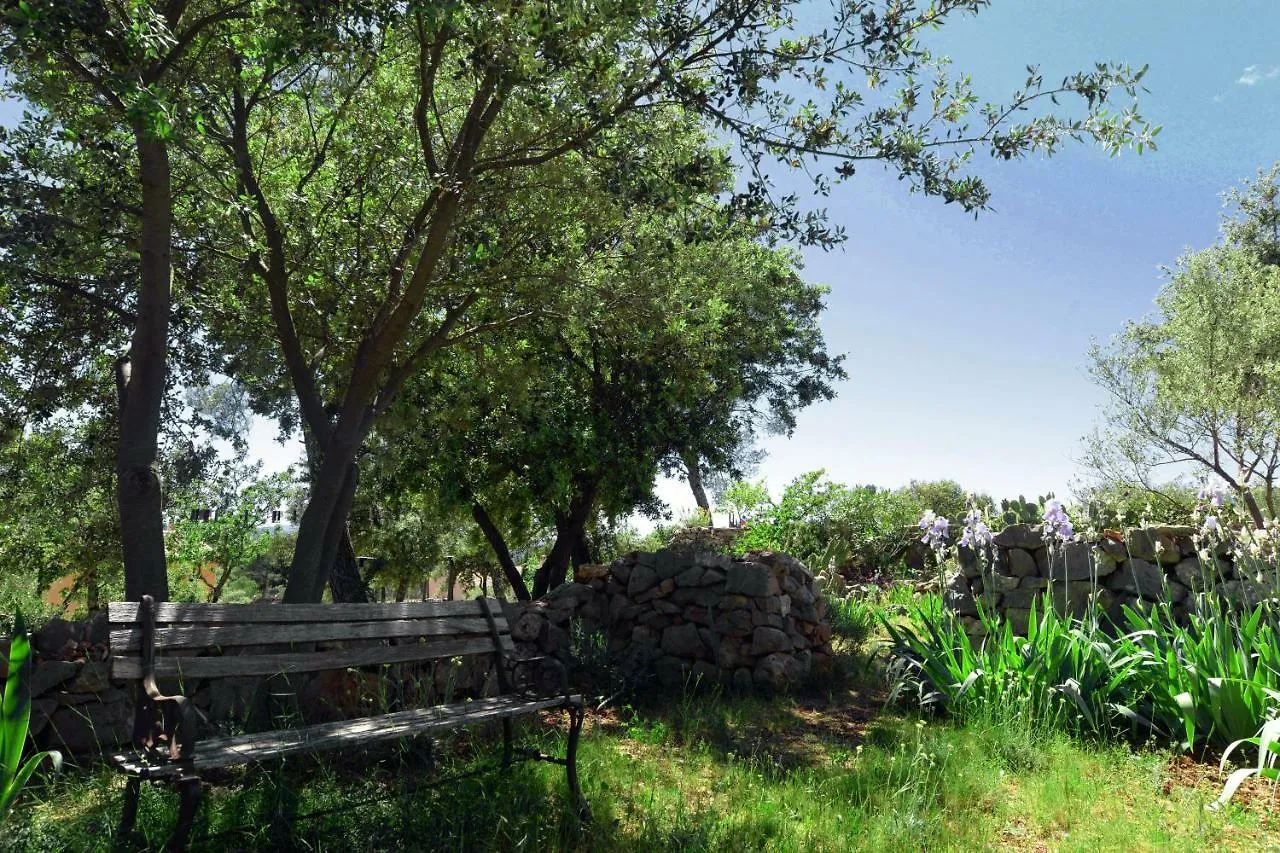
pixel 826 523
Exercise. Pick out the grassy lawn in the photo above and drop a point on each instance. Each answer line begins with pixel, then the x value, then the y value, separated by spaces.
pixel 834 772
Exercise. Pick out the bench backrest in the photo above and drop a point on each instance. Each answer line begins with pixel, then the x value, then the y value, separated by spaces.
pixel 409 631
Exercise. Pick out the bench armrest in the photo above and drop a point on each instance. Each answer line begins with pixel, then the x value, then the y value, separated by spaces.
pixel 164 726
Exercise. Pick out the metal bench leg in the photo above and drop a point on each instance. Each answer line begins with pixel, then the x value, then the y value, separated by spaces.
pixel 507 742
pixel 189 788
pixel 129 814
pixel 576 715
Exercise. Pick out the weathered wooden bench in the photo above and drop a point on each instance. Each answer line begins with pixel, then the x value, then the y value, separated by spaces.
pixel 208 641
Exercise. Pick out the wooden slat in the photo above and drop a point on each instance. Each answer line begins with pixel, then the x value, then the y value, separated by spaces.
pixel 228 666
pixel 244 749
pixel 126 612
pixel 206 636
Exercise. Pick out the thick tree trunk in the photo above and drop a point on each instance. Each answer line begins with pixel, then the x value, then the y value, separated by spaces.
pixel 345 583
pixel 1255 513
pixel 570 532
pixel 138 488
pixel 500 550
pixel 694 473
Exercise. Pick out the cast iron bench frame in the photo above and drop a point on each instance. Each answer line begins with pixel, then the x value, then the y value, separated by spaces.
pixel 165 743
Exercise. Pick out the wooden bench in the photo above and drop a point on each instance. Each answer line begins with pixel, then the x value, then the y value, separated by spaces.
pixel 208 641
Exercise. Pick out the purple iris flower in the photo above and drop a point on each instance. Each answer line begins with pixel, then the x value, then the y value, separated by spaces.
pixel 1056 521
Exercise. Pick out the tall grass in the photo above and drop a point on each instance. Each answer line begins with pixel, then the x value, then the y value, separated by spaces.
pixel 1207 682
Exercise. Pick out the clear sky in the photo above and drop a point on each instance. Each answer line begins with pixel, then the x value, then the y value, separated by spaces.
pixel 966 340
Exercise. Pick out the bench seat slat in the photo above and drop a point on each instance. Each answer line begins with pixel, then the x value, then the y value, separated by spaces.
pixel 126 612
pixel 192 636
pixel 244 749
pixel 227 666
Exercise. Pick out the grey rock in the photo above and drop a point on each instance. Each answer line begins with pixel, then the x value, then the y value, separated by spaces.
pixel 642 578
pixel 958 596
pixel 670 671
pixel 668 563
pixel 1140 577
pixel 1019 536
pixel 742 680
pixel 91 727
pixel 1021 563
pixel 766 639
pixel 1019 619
pixel 691 576
pixel 714 577
pixel 1191 573
pixel 1072 561
pixel 54 637
pixel 1002 583
pixel 752 579
pixel 683 641
pixel 93 677
pixel 49 674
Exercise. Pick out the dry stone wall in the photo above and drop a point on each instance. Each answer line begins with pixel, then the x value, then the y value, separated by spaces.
pixel 757 622
pixel 1137 569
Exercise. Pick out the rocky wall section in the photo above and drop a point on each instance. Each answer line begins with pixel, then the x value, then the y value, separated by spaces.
pixel 687 613
pixel 1137 568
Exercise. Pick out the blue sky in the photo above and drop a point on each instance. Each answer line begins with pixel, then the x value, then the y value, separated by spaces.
pixel 966 340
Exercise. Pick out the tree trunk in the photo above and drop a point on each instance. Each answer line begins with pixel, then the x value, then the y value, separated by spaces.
pixel 694 472
pixel 141 386
pixel 1255 513
pixel 345 583
pixel 570 531
pixel 499 545
pixel 402 589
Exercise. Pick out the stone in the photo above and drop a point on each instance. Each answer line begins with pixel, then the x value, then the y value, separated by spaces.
pixel 667 563
pixel 1019 599
pixel 90 728
pixel 588 572
pixel 700 596
pixel 704 674
pixel 807 612
pixel 41 710
pixel 1041 556
pixel 1176 592
pixel 667 608
pixel 766 639
pixel 735 623
pixel 773 620
pixel 97 629
pixel 784 564
pixel 712 577
pixel 1112 544
pixel 958 596
pixel 670 671
pixel 642 636
pixel 683 641
pixel 1021 563
pixel 731 653
pixel 1072 561
pixel 776 672
pixel 643 577
pixel 742 680
pixel 1140 544
pixel 49 674
pixel 1019 618
pixel 56 638
pixel 93 677
pixel 733 602
pixel 1001 583
pixel 752 579
pixel 1191 573
pixel 784 604
pixel 698 615
pixel 621 570
pixel 529 628
pixel 1140 577
pixel 691 576
pixel 1019 536
pixel 1033 583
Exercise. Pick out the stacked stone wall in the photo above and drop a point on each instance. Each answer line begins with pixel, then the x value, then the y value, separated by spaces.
pixel 1137 569
pixel 752 623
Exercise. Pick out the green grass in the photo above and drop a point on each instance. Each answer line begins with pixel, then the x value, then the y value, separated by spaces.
pixel 704 773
